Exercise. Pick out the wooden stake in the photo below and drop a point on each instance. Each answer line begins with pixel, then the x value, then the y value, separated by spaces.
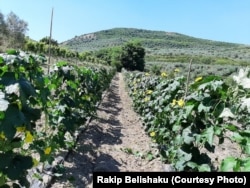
pixel 188 77
pixel 51 24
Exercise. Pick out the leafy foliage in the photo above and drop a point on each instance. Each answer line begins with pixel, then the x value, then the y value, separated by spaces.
pixel 47 40
pixel 185 125
pixel 62 101
pixel 132 56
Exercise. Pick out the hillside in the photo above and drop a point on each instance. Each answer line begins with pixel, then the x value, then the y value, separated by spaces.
pixel 158 43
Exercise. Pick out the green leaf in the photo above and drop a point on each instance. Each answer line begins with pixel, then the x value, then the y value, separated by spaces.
pixel 72 84
pixel 37 176
pixel 4 69
pixel 204 168
pixel 18 166
pixel 246 147
pixel 1 60
pixel 217 84
pixel 209 135
pixel 2 115
pixel 192 165
pixel 219 109
pixel 2 179
pixel 246 165
pixel 150 156
pixel 237 137
pixel 231 127
pixel 201 108
pixel 176 127
pixel 184 155
pixel 218 130
pixel 228 164
pixel 203 82
pixel 31 114
pixel 183 158
pixel 26 88
pixel 6 157
pixel 52 86
pixel 11 52
pixel 61 63
pixel 46 80
pixel 21 69
pixel 16 143
pixel 8 78
pixel 12 119
pixel 44 93
pixel 187 136
pixel 178 140
pixel 188 110
pixel 237 166
pixel 245 133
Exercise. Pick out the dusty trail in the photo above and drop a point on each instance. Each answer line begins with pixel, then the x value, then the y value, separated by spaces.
pixel 115 141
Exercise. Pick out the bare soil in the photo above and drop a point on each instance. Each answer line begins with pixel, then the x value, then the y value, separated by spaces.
pixel 114 142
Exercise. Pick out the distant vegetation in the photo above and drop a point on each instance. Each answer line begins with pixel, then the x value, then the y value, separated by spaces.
pixel 12 31
pixel 163 46
pixel 51 41
pixel 108 46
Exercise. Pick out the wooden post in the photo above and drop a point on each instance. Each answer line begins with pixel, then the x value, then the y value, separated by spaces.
pixel 188 77
pixel 51 24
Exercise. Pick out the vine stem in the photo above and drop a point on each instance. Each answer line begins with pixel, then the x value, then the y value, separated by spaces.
pixel 188 77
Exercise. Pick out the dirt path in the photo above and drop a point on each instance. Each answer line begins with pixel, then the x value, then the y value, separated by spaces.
pixel 116 141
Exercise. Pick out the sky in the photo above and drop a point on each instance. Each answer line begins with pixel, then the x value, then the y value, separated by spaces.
pixel 219 20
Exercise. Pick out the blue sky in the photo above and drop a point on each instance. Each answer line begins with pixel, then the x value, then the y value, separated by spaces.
pixel 221 20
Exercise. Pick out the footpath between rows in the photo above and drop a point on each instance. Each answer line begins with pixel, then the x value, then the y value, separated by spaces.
pixel 114 142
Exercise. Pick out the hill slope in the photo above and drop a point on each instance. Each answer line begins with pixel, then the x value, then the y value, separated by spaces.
pixel 157 42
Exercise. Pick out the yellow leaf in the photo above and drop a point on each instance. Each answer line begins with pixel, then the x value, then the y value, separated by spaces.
pixel 149 92
pixel 152 134
pixel 47 150
pixel 198 79
pixel 174 102
pixel 28 138
pixel 87 98
pixel 20 129
pixel 176 70
pixel 163 74
pixel 181 102
pixel 2 136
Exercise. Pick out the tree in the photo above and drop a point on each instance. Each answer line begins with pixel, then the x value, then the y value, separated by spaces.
pixel 104 54
pixel 30 46
pixel 116 58
pixel 16 29
pixel 3 26
pixel 3 33
pixel 132 56
pixel 46 41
